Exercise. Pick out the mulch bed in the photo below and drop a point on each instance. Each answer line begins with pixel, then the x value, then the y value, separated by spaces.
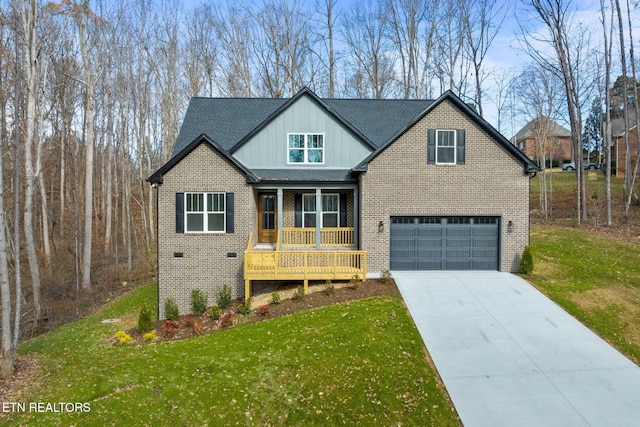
pixel 191 325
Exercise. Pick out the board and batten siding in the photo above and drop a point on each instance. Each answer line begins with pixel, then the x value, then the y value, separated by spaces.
pixel 268 149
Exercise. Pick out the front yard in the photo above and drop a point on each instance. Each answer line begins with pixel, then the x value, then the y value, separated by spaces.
pixel 356 363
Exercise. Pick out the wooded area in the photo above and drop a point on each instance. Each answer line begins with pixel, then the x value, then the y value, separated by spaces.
pixel 92 94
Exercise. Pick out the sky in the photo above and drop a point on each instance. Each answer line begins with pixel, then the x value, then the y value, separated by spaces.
pixel 506 53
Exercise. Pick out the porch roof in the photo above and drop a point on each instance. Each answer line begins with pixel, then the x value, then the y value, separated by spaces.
pixel 305 175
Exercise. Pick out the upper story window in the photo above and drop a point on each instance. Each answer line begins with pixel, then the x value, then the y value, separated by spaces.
pixel 205 212
pixel 446 147
pixel 306 148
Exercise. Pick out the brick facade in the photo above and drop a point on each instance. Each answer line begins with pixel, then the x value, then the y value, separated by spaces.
pixel 400 182
pixel 205 264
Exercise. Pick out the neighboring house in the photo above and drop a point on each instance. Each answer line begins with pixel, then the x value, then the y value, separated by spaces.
pixel 544 132
pixel 618 126
pixel 313 189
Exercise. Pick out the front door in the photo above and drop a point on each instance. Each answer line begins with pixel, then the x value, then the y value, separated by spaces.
pixel 267 218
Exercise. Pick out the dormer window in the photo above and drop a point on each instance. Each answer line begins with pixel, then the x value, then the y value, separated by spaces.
pixel 306 148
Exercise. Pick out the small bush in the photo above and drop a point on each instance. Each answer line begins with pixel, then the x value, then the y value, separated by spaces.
pixel 264 310
pixel 245 307
pixel 149 336
pixel 145 322
pixel 171 309
pixel 526 262
pixel 198 301
pixel 329 289
pixel 123 338
pixel 224 297
pixel 170 328
pixel 215 312
pixel 197 328
pixel 386 277
pixel 355 281
pixel 299 295
pixel 275 298
pixel 226 321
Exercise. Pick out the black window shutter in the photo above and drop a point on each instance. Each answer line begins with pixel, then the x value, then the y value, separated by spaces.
pixel 297 201
pixel 460 147
pixel 343 210
pixel 179 212
pixel 431 146
pixel 229 207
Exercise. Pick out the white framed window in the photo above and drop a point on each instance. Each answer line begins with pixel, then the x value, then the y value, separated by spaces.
pixel 330 210
pixel 445 147
pixel 305 148
pixel 204 212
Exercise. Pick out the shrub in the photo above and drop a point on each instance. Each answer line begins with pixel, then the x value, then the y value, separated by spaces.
pixel 355 281
pixel 149 336
pixel 299 295
pixel 145 322
pixel 170 328
pixel 197 328
pixel 123 338
pixel 329 289
pixel 215 312
pixel 198 301
pixel 264 310
pixel 526 262
pixel 245 307
pixel 224 297
pixel 226 320
pixel 275 298
pixel 386 277
pixel 171 309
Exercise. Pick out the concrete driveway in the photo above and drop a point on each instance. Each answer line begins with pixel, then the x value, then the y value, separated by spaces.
pixel 509 356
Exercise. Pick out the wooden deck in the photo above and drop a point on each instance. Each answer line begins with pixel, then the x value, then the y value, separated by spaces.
pixel 301 265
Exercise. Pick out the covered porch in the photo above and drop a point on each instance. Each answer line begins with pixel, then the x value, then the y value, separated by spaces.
pixel 305 232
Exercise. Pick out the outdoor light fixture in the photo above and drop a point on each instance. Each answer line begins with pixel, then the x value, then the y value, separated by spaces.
pixel 380 227
pixel 510 227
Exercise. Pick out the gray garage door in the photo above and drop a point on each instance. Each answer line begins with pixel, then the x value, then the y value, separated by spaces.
pixel 444 243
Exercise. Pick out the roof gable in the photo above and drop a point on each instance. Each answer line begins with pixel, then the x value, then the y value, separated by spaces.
pixel 473 116
pixel 157 177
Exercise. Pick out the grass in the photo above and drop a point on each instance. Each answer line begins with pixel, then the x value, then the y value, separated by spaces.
pixel 358 363
pixel 593 277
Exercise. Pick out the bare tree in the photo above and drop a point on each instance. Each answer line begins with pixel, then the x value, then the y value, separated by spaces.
pixel 364 30
pixel 482 22
pixel 569 45
pixel 607 32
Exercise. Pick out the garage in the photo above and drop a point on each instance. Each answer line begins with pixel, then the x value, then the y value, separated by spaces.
pixel 444 243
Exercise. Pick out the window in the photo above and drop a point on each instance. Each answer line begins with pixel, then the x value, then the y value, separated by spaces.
pixel 205 212
pixel 446 147
pixel 306 148
pixel 330 210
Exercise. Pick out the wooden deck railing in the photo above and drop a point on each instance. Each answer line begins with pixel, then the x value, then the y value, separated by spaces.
pixel 302 265
pixel 329 237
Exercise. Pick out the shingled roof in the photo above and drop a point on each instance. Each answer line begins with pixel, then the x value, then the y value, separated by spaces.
pixel 528 131
pixel 228 120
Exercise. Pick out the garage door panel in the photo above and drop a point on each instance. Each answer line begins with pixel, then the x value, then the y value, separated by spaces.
pixel 439 243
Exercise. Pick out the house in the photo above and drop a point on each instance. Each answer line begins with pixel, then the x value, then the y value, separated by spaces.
pixel 618 126
pixel 307 188
pixel 541 134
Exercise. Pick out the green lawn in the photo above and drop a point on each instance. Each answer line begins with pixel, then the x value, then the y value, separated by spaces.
pixel 595 278
pixel 359 363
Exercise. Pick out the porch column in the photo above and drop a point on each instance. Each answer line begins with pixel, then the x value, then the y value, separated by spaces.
pixel 279 216
pixel 356 219
pixel 318 217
